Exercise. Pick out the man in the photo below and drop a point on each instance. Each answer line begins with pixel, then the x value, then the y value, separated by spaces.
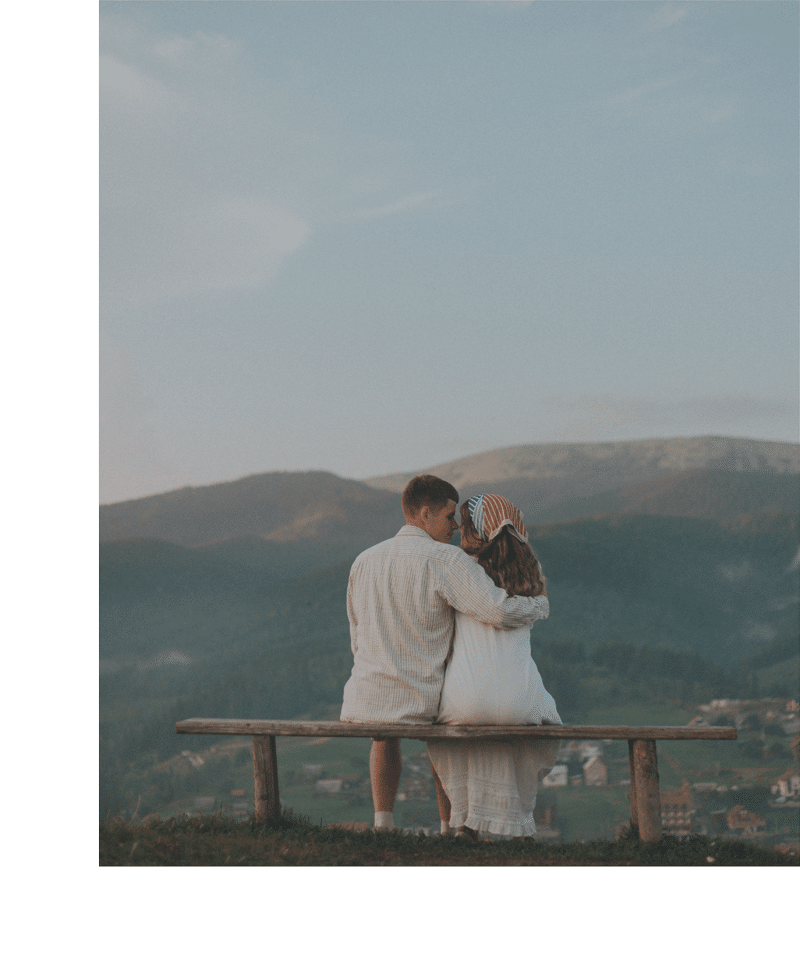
pixel 401 599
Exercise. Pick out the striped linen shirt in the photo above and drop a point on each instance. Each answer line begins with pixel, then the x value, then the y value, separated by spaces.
pixel 401 601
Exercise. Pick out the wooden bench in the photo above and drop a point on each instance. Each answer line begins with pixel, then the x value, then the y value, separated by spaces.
pixel 644 792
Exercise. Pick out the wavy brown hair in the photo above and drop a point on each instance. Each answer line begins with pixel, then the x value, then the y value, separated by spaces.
pixel 509 562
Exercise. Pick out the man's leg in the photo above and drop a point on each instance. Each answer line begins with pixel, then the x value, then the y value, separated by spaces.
pixel 384 777
pixel 443 800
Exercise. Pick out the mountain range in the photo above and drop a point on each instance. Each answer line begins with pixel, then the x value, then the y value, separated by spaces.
pixel 707 477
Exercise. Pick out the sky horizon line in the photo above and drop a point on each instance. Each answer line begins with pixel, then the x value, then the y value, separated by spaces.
pixel 431 466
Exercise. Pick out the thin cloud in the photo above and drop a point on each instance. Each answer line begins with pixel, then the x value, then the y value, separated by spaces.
pixel 199 48
pixel 184 246
pixel 672 105
pixel 664 19
pixel 643 90
pixel 239 242
pixel 164 234
pixel 414 201
pixel 126 86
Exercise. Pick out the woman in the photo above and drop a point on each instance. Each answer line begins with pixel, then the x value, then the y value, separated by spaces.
pixel 491 678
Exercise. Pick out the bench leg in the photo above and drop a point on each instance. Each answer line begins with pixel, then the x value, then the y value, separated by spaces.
pixel 265 775
pixel 632 791
pixel 644 794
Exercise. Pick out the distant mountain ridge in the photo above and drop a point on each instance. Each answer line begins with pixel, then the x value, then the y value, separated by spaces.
pixel 279 507
pixel 706 477
pixel 610 464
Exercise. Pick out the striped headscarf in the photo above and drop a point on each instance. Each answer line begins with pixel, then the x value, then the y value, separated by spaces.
pixel 490 513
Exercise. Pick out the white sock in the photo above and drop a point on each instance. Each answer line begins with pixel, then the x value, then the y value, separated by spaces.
pixel 445 827
pixel 384 820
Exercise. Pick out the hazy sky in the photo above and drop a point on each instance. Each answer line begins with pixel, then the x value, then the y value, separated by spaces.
pixel 372 236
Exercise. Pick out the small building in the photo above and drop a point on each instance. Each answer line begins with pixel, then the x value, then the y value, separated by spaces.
pixel 745 822
pixel 677 811
pixel 792 849
pixel 334 785
pixel 568 749
pixel 589 748
pixel 595 773
pixel 705 787
pixel 787 785
pixel 558 776
pixel 194 758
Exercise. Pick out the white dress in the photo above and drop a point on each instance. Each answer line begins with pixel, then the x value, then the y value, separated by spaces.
pixel 491 678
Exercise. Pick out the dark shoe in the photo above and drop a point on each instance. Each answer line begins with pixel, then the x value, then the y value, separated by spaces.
pixel 467 832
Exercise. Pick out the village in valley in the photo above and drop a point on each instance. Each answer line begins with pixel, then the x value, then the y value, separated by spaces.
pixel 742 800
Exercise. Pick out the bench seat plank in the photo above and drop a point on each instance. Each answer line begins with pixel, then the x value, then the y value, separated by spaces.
pixel 435 731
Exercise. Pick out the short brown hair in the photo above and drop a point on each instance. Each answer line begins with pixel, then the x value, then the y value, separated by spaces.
pixel 427 491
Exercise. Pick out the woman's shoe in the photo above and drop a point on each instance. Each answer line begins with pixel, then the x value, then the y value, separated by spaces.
pixel 468 832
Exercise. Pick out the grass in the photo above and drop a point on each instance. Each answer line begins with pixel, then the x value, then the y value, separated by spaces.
pixel 292 840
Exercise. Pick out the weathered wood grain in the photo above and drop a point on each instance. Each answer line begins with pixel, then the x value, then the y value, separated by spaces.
pixel 632 791
pixel 336 728
pixel 265 777
pixel 648 797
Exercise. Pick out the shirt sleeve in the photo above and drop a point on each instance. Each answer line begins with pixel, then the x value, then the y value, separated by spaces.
pixel 468 588
pixel 351 616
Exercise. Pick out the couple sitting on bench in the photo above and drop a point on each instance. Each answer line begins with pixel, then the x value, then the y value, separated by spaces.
pixel 441 633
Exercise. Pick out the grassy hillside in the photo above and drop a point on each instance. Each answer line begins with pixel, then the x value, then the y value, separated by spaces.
pixel 293 841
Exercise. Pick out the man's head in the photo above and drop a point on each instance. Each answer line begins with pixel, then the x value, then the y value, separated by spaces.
pixel 430 503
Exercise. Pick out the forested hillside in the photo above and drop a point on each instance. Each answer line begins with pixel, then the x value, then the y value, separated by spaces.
pixel 642 608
